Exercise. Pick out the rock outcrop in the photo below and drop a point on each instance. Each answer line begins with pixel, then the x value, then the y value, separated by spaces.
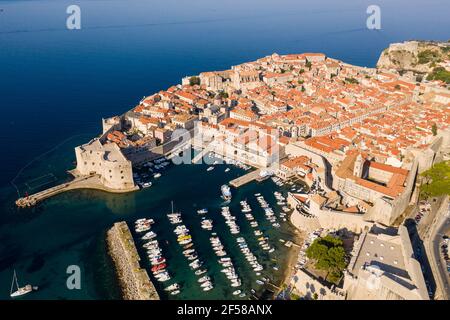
pixel 419 58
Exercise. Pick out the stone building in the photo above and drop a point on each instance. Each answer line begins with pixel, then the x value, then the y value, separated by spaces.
pixel 383 267
pixel 107 161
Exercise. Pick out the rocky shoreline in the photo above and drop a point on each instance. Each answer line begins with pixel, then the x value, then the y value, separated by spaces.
pixel 134 280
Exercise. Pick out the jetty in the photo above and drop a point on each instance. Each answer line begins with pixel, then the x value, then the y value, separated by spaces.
pixel 134 280
pixel 246 178
pixel 92 181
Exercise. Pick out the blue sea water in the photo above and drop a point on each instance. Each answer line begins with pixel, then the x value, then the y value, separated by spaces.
pixel 57 84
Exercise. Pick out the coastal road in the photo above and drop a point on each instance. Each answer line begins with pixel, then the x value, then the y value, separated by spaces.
pixel 436 239
pixel 432 240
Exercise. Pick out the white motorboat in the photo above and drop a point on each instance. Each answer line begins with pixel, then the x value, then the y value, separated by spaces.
pixel 172 287
pixel 149 235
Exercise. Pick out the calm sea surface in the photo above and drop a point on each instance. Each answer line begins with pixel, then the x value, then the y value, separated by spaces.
pixel 56 85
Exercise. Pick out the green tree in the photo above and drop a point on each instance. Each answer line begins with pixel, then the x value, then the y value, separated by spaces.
pixel 222 95
pixel 329 255
pixel 439 73
pixel 194 81
pixel 434 129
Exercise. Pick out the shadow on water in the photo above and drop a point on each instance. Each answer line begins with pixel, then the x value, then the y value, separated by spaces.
pixel 36 264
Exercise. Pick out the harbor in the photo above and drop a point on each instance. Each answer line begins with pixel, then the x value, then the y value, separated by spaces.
pixel 201 214
pixel 228 246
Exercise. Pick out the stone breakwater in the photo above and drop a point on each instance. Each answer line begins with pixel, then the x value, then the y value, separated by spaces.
pixel 134 280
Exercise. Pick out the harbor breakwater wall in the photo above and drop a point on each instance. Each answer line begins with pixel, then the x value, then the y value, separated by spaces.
pixel 134 280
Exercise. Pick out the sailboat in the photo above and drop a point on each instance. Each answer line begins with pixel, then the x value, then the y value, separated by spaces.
pixel 19 291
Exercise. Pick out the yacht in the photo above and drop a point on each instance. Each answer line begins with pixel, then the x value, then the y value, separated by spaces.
pixel 226 192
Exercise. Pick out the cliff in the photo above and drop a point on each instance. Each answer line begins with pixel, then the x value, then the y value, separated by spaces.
pixel 421 58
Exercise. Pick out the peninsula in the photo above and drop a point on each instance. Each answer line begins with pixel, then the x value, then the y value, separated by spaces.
pixel 364 132
pixel 364 140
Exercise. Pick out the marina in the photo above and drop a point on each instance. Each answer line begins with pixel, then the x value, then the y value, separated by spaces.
pixel 174 262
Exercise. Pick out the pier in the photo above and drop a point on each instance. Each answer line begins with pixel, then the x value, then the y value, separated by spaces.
pixel 134 280
pixel 83 182
pixel 246 178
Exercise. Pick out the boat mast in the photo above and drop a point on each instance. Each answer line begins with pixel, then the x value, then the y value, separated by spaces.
pixel 14 280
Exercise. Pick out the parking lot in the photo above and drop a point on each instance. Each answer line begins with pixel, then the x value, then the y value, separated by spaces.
pixel 423 211
pixel 444 253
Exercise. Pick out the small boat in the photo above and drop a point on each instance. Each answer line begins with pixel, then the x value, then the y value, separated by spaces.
pixel 235 293
pixel 149 235
pixel 204 279
pixel 157 175
pixel 175 292
pixel 146 185
pixel 159 267
pixel 259 282
pixel 202 211
pixel 206 284
pixel 172 287
pixel 200 272
pixel 210 168
pixel 227 169
pixel 20 291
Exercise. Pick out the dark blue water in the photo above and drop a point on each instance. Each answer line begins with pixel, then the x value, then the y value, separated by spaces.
pixel 56 85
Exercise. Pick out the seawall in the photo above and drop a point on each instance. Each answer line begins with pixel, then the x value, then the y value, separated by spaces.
pixel 134 280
